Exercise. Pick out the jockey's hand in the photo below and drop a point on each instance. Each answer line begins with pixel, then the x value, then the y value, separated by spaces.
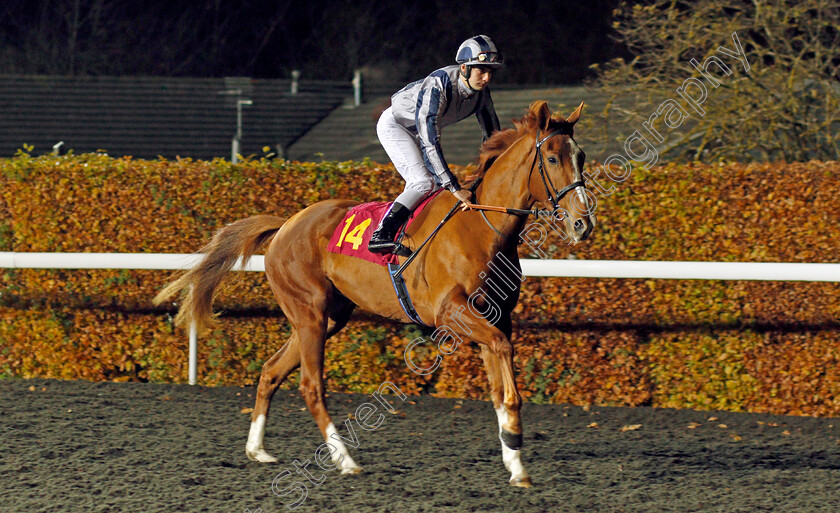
pixel 465 197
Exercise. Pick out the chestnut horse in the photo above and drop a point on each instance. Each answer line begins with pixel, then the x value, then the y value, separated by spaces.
pixel 318 290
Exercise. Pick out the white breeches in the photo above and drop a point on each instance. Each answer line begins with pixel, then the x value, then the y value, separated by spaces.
pixel 403 148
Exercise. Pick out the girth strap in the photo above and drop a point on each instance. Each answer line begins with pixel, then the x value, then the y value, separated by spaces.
pixel 402 293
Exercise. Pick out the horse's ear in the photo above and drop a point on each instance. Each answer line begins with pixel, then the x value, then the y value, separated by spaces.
pixel 539 109
pixel 574 116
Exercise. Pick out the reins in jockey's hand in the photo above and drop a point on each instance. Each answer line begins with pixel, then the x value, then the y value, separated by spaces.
pixel 447 217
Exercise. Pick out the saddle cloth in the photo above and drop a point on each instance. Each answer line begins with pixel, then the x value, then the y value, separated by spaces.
pixel 352 234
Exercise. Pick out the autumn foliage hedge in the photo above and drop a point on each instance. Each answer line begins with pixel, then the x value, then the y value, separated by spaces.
pixel 734 345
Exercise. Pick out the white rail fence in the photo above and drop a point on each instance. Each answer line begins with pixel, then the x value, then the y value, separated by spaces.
pixel 545 268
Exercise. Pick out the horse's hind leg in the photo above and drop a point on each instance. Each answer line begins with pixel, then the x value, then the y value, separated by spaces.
pixel 313 337
pixel 274 372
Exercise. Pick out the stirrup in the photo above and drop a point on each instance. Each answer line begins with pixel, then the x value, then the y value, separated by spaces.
pixel 391 247
pixel 401 250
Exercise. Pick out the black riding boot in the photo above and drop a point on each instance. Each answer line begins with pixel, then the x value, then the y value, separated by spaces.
pixel 382 240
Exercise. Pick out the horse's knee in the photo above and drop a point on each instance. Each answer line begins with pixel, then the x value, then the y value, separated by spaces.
pixel 266 374
pixel 268 382
pixel 310 391
pixel 502 348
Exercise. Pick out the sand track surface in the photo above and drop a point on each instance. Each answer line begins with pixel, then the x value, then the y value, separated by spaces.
pixel 68 446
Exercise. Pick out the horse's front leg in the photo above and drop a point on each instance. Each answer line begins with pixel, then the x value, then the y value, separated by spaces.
pixel 510 456
pixel 498 356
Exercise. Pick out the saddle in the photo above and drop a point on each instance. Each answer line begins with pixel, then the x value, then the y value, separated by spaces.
pixel 352 234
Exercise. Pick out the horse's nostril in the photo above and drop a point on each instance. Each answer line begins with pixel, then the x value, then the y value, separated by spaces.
pixel 580 226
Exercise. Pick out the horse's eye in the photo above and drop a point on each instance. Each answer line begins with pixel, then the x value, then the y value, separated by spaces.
pixel 552 160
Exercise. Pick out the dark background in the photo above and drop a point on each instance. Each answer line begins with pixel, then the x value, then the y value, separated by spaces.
pixel 543 42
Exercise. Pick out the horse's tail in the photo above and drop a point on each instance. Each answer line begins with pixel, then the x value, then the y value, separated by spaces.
pixel 240 239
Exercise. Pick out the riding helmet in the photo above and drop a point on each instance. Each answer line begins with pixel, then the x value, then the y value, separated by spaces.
pixel 479 51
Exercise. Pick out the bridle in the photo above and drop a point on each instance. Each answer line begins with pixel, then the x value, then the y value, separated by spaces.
pixel 554 196
pixel 546 180
pixel 547 183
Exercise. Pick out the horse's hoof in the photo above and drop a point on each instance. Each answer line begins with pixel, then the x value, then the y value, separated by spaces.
pixel 352 470
pixel 260 455
pixel 522 482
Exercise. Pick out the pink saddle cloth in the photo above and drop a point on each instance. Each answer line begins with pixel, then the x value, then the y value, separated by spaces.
pixel 352 235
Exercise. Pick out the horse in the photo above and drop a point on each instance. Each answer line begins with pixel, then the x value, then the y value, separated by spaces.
pixel 318 290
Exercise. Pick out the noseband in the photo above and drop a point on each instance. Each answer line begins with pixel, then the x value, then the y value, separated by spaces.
pixel 547 183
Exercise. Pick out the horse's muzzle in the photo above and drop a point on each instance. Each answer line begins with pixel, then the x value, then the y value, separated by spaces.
pixel 583 228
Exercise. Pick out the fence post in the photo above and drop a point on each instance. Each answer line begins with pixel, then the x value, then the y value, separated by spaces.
pixel 237 139
pixel 295 78
pixel 357 88
pixel 193 365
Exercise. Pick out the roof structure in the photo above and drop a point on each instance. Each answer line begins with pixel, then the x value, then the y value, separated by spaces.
pixel 149 116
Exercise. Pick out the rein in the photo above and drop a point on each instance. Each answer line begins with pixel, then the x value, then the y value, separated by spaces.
pixel 537 212
pixel 447 217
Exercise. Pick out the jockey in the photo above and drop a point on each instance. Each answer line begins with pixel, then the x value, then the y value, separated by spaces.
pixel 409 130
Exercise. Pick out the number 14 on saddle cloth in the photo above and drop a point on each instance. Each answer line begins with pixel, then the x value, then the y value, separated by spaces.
pixel 352 234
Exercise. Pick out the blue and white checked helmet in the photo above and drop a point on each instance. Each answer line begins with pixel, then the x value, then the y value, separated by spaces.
pixel 479 51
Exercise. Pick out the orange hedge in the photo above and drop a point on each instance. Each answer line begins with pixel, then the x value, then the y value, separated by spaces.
pixel 757 346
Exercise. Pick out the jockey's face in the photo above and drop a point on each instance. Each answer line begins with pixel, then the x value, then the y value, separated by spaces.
pixel 479 76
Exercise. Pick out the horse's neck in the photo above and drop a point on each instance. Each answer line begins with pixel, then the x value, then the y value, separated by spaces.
pixel 506 181
pixel 505 184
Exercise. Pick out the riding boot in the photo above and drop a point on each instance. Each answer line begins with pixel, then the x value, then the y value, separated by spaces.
pixel 382 240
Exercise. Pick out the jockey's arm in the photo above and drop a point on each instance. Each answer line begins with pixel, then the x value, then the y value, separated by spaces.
pixel 432 101
pixel 487 118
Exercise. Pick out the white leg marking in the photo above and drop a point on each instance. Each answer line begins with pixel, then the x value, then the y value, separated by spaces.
pixel 341 457
pixel 254 447
pixel 510 457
